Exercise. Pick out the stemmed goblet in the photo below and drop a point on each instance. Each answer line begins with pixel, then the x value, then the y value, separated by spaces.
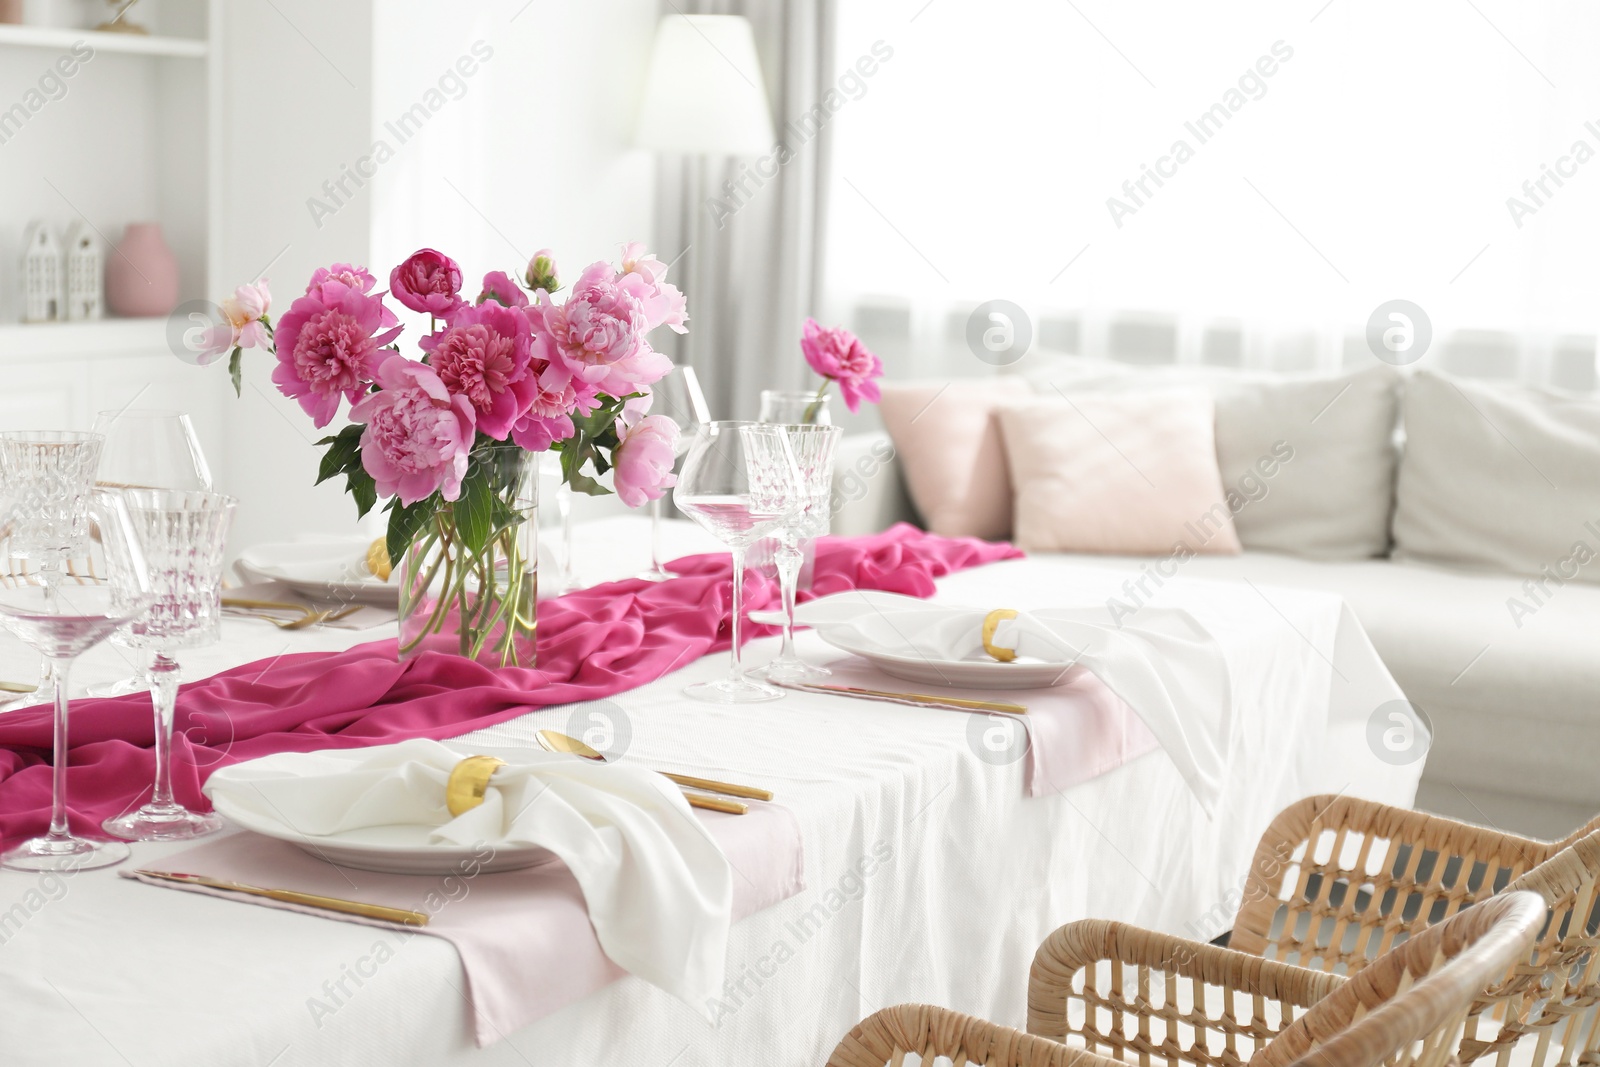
pixel 49 475
pixel 678 397
pixel 813 448
pixel 184 535
pixel 739 481
pixel 90 598
pixel 147 449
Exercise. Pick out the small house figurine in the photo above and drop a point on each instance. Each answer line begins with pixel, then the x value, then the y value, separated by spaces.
pixel 43 288
pixel 85 269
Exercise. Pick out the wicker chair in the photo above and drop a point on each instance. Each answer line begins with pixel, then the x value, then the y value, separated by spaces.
pixel 1129 995
pixel 1336 882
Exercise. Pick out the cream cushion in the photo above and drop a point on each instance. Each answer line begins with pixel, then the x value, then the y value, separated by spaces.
pixel 1500 477
pixel 1130 472
pixel 1314 456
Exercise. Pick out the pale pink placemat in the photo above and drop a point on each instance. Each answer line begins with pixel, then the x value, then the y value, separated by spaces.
pixel 524 936
pixel 1077 730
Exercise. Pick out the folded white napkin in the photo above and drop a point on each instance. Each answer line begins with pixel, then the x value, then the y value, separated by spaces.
pixel 1167 667
pixel 658 888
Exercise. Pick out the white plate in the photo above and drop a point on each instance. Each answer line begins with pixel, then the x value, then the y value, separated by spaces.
pixel 1024 672
pixel 388 849
pixel 325 569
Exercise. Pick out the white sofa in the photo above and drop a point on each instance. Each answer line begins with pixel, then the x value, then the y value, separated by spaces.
pixel 1514 698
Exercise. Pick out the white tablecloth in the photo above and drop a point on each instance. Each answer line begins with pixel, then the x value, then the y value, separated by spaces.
pixel 929 876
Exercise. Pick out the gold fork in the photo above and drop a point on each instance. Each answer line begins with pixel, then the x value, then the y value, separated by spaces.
pixel 311 616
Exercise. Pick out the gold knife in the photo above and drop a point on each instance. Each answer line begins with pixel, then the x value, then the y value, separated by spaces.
pixel 919 700
pixel 290 896
pixel 700 800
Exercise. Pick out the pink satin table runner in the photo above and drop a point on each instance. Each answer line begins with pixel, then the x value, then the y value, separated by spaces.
pixel 593 643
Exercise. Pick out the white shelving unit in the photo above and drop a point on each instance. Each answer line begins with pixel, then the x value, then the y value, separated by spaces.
pixel 125 137
pixel 58 39
pixel 128 137
pixel 20 342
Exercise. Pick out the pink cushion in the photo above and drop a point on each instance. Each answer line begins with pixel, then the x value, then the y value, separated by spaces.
pixel 1124 473
pixel 949 447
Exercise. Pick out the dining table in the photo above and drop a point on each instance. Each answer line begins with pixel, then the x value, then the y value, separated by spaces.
pixel 930 873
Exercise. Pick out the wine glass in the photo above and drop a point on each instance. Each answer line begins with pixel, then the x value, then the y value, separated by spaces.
pixel 794 407
pixel 678 397
pixel 739 481
pixel 92 597
pixel 149 449
pixel 813 448
pixel 184 535
pixel 50 476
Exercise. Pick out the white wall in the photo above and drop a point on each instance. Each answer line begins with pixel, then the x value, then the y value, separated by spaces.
pixel 290 117
pixel 538 143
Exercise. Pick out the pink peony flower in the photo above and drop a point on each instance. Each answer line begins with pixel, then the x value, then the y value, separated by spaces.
pixel 541 272
pixel 642 275
pixel 838 355
pixel 330 344
pixel 428 281
pixel 644 458
pixel 418 436
pixel 241 325
pixel 484 356
pixel 599 333
pixel 549 416
pixel 355 277
pixel 497 285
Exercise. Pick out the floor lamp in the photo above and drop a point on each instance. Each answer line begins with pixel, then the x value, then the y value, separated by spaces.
pixel 705 101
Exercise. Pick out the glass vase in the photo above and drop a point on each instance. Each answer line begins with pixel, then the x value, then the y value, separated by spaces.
pixel 469 581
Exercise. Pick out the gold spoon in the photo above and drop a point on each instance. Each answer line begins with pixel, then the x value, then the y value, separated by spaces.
pixel 554 741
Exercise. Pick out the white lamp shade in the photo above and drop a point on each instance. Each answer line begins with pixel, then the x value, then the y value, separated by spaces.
pixel 704 92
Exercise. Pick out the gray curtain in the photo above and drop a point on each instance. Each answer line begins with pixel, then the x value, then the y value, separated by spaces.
pixel 750 230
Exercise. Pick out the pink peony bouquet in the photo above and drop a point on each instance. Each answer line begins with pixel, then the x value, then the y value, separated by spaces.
pixel 839 356
pixel 508 367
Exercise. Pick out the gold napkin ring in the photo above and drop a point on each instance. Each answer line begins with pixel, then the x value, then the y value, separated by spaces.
pixel 468 782
pixel 991 623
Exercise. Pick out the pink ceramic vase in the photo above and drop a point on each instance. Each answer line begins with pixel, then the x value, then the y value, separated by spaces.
pixel 142 273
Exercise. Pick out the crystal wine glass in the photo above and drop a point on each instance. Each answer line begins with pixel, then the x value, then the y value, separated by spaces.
pixel 50 475
pixel 739 481
pixel 147 449
pixel 94 596
pixel 784 406
pixel 184 535
pixel 813 448
pixel 678 397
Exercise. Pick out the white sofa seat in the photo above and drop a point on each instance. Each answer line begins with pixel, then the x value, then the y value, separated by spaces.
pixel 1515 708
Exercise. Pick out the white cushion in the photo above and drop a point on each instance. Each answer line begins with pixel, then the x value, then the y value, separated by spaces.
pixel 1500 477
pixel 1328 441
